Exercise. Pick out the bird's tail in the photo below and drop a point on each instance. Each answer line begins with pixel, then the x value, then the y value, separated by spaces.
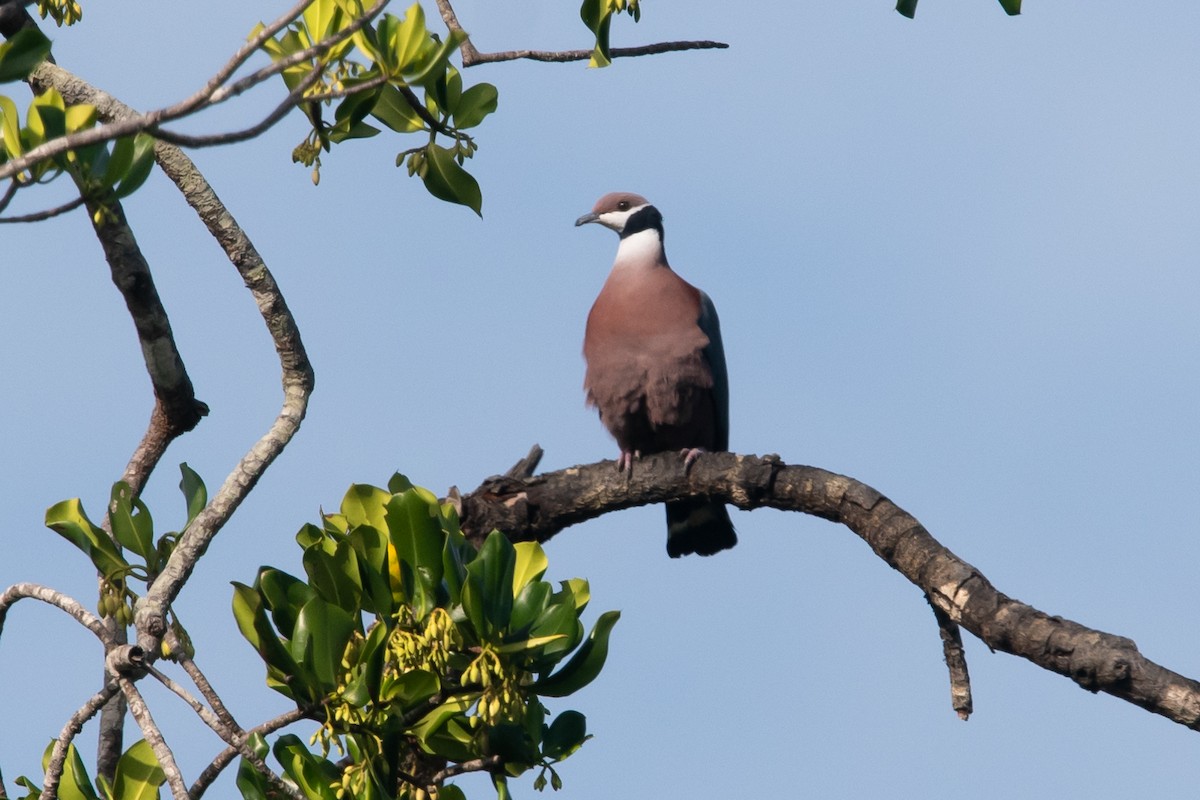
pixel 697 525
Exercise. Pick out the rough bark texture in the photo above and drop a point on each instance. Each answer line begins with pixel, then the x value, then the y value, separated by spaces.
pixel 538 507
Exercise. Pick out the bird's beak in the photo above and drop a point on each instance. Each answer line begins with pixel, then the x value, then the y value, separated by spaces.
pixel 586 218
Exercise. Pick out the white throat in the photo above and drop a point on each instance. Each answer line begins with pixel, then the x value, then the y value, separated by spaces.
pixel 641 250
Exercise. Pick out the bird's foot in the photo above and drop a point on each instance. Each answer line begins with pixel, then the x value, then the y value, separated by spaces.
pixel 626 459
pixel 690 454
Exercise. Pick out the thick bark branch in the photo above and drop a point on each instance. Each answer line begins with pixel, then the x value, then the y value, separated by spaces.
pixel 541 506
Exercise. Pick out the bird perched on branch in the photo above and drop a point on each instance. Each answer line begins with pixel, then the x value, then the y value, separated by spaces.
pixel 656 366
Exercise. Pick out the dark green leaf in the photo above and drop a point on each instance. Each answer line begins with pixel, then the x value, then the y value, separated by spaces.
pixel 194 492
pixel 529 605
pixel 393 110
pixel 566 734
pixel 284 596
pixel 907 7
pixel 26 49
pixel 322 631
pixel 1011 7
pixel 416 535
pixel 371 546
pixel 251 618
pixel 410 689
pixel 132 523
pixel 446 180
pixel 476 103
pixel 335 574
pixel 489 585
pixel 316 777
pixel 585 665
pixel 139 170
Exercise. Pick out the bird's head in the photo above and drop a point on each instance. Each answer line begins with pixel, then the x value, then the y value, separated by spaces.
pixel 624 212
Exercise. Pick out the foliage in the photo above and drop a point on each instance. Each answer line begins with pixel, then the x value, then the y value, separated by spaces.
pixel 132 551
pixel 376 71
pixel 103 171
pixel 597 16
pixel 414 648
pixel 137 777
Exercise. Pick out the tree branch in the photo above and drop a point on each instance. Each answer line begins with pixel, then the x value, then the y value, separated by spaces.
pixel 33 591
pixel 539 507
pixel 214 769
pixel 472 56
pixel 58 756
pixel 214 92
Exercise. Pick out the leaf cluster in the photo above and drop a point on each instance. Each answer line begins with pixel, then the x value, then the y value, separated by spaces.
pixel 104 171
pixel 132 551
pixel 410 645
pixel 137 777
pixel 395 72
pixel 597 16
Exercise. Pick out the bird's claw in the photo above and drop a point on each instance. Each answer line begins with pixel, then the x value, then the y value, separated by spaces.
pixel 690 454
pixel 626 459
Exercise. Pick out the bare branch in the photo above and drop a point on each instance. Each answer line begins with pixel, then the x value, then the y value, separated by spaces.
pixel 153 736
pixel 474 765
pixel 38 216
pixel 956 662
pixel 472 56
pixel 226 756
pixel 58 756
pixel 562 56
pixel 540 507
pixel 33 591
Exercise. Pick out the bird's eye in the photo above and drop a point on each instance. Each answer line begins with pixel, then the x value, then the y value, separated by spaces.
pixel 623 205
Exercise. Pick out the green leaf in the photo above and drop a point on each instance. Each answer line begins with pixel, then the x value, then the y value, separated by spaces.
pixel 530 604
pixel 446 180
pixel 907 8
pixel 475 104
pixel 366 505
pixel 585 665
pixel 138 774
pixel 371 547
pixel 416 535
pixel 282 671
pixel 26 49
pixel 132 524
pixel 566 734
pixel 10 127
pixel 316 777
pixel 335 574
pixel 531 564
pixel 284 596
pixel 408 39
pixel 451 792
pixel 194 492
pixel 68 520
pixel 1011 7
pixel 487 593
pixel 139 169
pixel 394 111
pixel 74 784
pixel 410 689
pixel 435 719
pixel 322 631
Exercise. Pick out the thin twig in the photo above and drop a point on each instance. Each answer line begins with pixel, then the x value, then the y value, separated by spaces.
pixel 472 56
pixel 226 756
pixel 956 662
pixel 474 765
pixel 561 56
pixel 58 757
pixel 135 123
pixel 39 216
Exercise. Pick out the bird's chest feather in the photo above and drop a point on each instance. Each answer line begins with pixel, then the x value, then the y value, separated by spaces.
pixel 644 349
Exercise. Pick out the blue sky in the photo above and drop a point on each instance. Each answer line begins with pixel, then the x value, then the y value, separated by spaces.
pixel 954 258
